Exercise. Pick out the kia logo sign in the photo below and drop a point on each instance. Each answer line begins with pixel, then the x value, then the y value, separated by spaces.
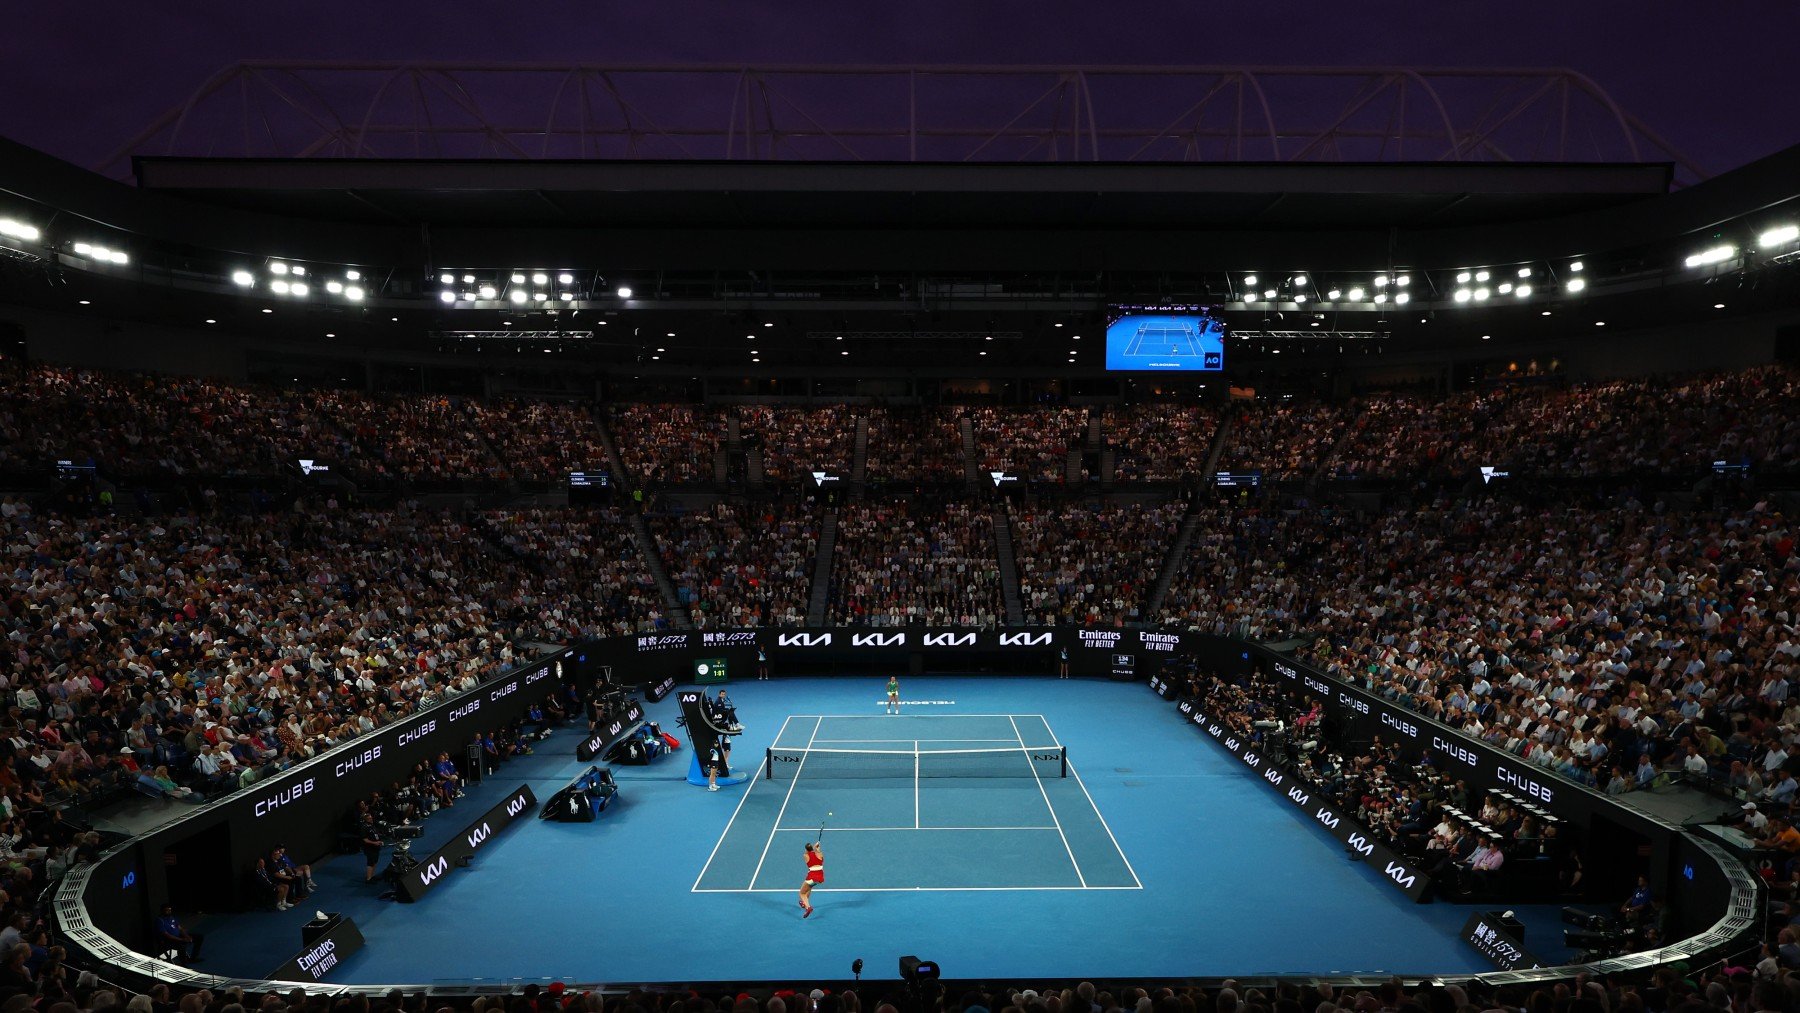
pixel 478 836
pixel 877 639
pixel 949 640
pixel 434 870
pixel 1025 639
pixel 1398 873
pixel 514 806
pixel 1360 844
pixel 802 640
pixel 1299 797
pixel 1327 817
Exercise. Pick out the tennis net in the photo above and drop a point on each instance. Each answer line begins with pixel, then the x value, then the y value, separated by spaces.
pixel 1016 761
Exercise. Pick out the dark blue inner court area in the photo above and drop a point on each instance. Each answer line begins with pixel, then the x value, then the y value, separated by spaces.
pixel 944 839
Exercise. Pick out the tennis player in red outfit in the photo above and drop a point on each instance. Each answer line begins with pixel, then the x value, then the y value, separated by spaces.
pixel 815 874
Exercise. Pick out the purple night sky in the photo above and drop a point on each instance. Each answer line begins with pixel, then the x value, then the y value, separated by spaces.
pixel 1714 79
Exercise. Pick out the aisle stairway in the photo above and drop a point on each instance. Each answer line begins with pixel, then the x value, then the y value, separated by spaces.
pixel 821 584
pixel 971 461
pixel 678 614
pixel 859 457
pixel 1172 564
pixel 1009 570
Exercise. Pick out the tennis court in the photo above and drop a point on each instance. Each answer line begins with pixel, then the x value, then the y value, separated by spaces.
pixel 1150 340
pixel 917 802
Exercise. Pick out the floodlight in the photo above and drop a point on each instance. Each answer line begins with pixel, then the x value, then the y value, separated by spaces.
pixel 1462 278
pixel 334 286
pixel 518 279
pixel 299 270
pixel 1299 279
pixel 1381 297
pixel 1334 294
pixel 447 296
pixel 1381 281
pixel 1778 236
pixel 447 278
pixel 565 278
pixel 1250 280
pixel 487 291
pixel 1505 287
pixel 1481 294
pixel 1462 295
pixel 353 275
pixel 244 278
pixel 1268 293
pixel 1575 266
pixel 624 291
pixel 1356 295
pixel 278 268
pixel 1404 280
pixel 280 286
pixel 540 278
pixel 18 229
pixel 1402 298
pixel 1575 285
pixel 1481 276
pixel 354 293
pixel 1522 291
pixel 1524 272
pixel 518 295
pixel 1711 255
pixel 297 288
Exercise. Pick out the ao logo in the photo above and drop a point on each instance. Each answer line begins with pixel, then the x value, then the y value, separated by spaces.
pixel 702 668
pixel 433 871
pixel 1360 844
pixel 129 881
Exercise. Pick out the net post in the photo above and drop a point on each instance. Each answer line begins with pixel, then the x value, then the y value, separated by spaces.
pixel 1065 760
pixel 769 764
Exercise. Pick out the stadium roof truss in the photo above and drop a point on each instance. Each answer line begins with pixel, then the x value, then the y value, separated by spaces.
pixel 865 113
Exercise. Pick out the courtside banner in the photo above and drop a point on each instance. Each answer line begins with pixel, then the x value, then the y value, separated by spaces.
pixel 1402 873
pixel 1462 757
pixel 479 834
pixel 608 735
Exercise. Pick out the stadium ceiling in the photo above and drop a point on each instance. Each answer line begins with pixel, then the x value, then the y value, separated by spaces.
pixel 899 113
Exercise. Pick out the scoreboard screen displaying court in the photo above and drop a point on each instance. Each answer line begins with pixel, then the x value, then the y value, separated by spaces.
pixel 1165 342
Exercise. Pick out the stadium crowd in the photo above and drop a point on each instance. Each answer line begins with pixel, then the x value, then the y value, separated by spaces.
pixel 795 441
pixel 1032 442
pixel 915 445
pixel 542 441
pixel 915 561
pixel 740 566
pixel 1090 563
pixel 1762 985
pixel 668 443
pixel 1159 442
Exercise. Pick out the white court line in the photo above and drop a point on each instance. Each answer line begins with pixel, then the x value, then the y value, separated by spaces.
pixel 922 889
pixel 915 784
pixel 789 797
pixel 897 830
pixel 919 717
pixel 1096 808
pixel 1047 805
pixel 734 815
pixel 1002 739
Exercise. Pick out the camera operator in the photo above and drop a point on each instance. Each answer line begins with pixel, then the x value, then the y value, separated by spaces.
pixel 370 834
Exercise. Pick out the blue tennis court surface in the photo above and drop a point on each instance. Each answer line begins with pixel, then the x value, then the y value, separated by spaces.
pixel 665 886
pixel 918 802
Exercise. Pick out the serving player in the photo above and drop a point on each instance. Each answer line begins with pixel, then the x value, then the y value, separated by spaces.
pixel 815 874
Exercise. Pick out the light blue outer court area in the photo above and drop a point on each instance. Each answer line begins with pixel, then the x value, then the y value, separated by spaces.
pixel 1157 856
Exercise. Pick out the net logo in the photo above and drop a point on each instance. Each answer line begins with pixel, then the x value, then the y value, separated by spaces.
pixel 877 640
pixel 367 756
pixel 802 640
pixel 286 796
pixel 1541 792
pixel 1360 844
pixel 949 640
pixel 785 757
pixel 1025 639
pixel 433 871
pixel 1047 757
pixel 1454 751
pixel 1405 727
pixel 414 734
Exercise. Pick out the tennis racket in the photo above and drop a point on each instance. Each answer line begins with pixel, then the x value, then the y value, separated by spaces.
pixel 820 839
